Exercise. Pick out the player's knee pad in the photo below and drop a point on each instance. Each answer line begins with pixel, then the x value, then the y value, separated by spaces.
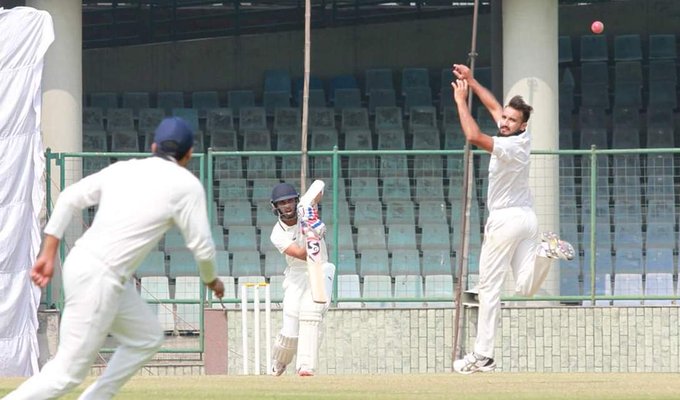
pixel 310 336
pixel 284 349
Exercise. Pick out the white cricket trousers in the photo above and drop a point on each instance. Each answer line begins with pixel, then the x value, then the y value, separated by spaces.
pixel 97 302
pixel 510 239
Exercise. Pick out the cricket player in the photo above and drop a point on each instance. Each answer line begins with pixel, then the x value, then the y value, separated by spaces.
pixel 302 317
pixel 139 200
pixel 511 235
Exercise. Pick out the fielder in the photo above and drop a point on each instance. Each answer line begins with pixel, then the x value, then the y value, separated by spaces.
pixel 302 317
pixel 139 200
pixel 511 235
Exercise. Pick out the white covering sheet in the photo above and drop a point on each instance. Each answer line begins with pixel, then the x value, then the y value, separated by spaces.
pixel 25 35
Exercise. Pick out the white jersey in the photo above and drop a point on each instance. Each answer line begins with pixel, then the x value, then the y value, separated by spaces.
pixel 139 200
pixel 509 172
pixel 283 236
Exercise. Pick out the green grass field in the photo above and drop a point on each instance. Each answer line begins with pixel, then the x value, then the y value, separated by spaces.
pixel 489 386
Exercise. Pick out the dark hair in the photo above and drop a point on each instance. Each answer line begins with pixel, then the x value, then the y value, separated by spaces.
pixel 172 148
pixel 518 103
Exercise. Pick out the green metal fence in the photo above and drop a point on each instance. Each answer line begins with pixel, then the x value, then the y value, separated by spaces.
pixel 393 221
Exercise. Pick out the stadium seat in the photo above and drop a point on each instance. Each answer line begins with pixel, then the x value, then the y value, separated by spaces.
pixel 378 78
pixel 135 101
pixel 659 259
pixel 354 119
pixel 662 47
pixel 174 240
pixel 569 280
pixel 391 139
pixel 629 260
pixel 363 188
pixel 377 286
pixel 429 189
pixel 232 190
pixel 94 135
pixel 152 265
pixel 381 98
pixel 427 166
pixel 370 237
pixel 435 237
pixel 276 291
pixel 367 212
pixel 349 287
pixel 241 238
pixel 439 286
pixel 394 165
pixel 374 262
pixel 593 48
pixel 387 118
pixel 405 262
pixel 274 263
pixel 169 100
pixel 271 100
pixel 204 100
pixel 347 262
pixel 432 211
pixel 603 286
pixel 662 94
pixel 327 216
pixel 155 288
pixel 345 241
pixel 401 237
pixel 415 77
pixel 245 263
pixel 660 127
pixel 564 50
pixel 149 118
pixel 627 285
pixel 395 189
pixel 408 287
pixel 104 100
pixel 438 262
pixel 659 284
pixel 237 213
pixel 399 212
pixel 415 97
pixel 346 98
pixel 237 99
pixel 627 47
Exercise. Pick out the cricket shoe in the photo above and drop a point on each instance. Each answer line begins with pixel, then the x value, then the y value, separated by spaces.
pixel 556 248
pixel 305 372
pixel 473 362
pixel 278 368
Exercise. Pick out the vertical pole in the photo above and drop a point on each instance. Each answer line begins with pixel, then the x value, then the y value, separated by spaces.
pixel 305 98
pixel 244 326
pixel 467 199
pixel 268 325
pixel 256 327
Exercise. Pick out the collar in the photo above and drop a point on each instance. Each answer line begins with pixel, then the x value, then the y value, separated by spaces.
pixel 165 157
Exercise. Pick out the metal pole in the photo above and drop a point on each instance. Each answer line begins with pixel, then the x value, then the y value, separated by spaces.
pixel 467 199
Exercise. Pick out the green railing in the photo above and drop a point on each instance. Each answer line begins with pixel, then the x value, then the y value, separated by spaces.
pixel 344 163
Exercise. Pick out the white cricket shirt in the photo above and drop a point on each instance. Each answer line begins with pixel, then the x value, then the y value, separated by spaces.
pixel 139 200
pixel 509 172
pixel 283 236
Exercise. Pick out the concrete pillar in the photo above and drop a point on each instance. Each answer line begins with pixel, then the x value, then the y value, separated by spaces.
pixel 530 32
pixel 62 99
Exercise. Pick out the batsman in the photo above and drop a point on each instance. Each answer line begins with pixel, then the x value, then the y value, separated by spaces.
pixel 299 236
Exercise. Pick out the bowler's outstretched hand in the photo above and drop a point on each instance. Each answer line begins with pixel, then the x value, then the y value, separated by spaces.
pixel 460 91
pixel 461 71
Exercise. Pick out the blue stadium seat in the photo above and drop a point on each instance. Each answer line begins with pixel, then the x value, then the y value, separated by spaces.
pixel 438 262
pixel 432 211
pixel 245 263
pixel 399 212
pixel 237 213
pixel 347 262
pixel 374 262
pixel 435 237
pixel 368 212
pixel 204 100
pixel 135 101
pixel 346 98
pixel 236 99
pixel 401 237
pixel 370 237
pixel 276 80
pixel 241 238
pixel 395 189
pixel 169 100
pixel 627 47
pixel 271 100
pixel 408 287
pixel 662 47
pixel 594 48
pixel 363 188
pixel 378 78
pixel 405 262
pixel 394 165
pixel 659 260
pixel 429 189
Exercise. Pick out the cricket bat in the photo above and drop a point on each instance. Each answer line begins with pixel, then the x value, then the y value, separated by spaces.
pixel 317 253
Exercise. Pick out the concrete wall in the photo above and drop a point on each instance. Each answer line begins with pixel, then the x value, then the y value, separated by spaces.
pixel 239 62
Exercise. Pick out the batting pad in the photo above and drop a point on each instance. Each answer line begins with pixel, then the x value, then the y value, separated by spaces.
pixel 284 349
pixel 308 343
